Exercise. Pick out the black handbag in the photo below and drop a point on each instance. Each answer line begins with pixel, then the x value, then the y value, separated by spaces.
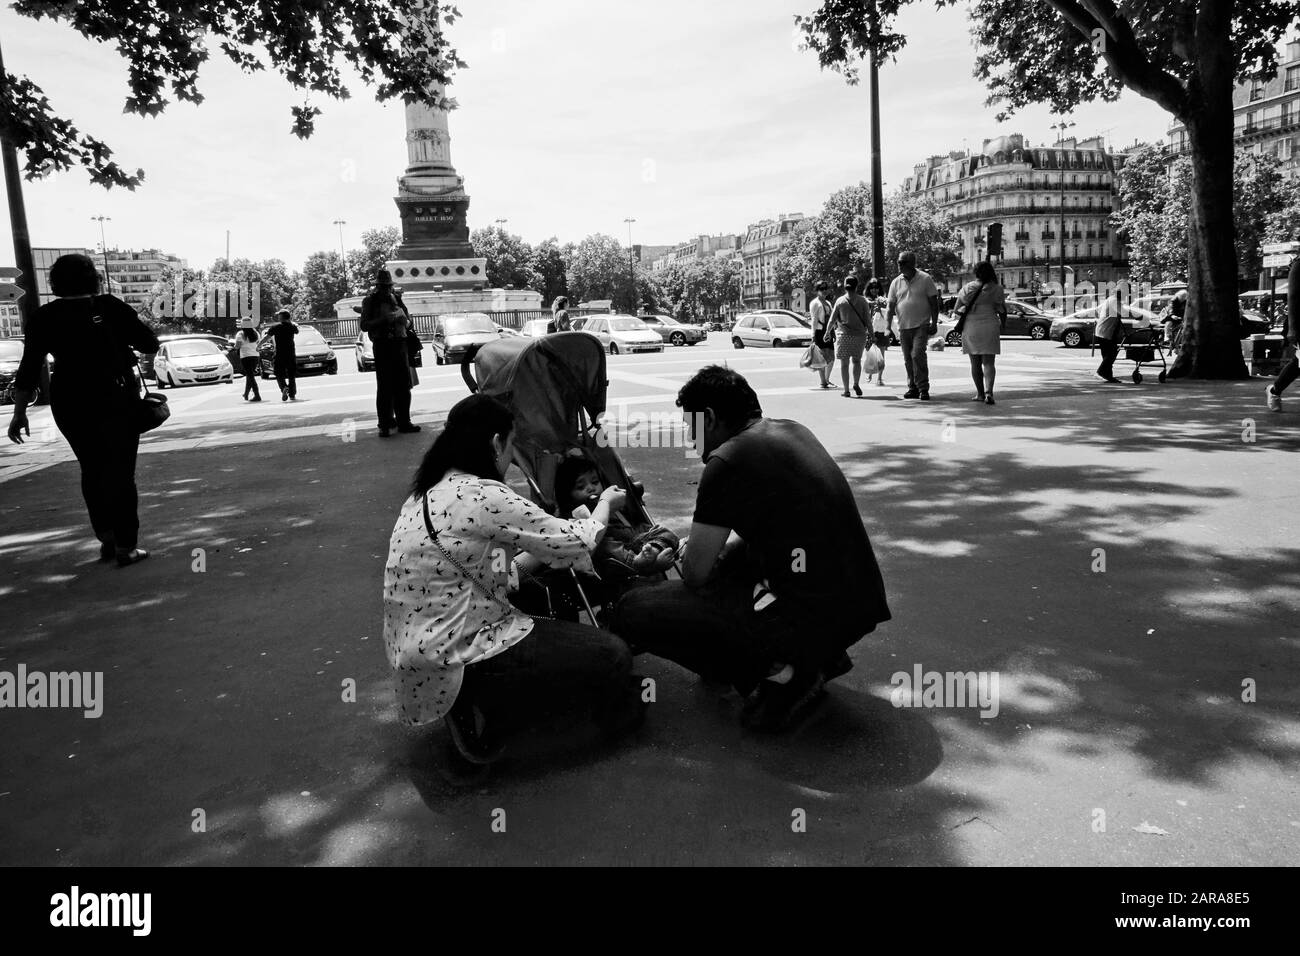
pixel 414 349
pixel 151 408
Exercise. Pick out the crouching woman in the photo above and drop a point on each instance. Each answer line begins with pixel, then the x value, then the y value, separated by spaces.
pixel 459 649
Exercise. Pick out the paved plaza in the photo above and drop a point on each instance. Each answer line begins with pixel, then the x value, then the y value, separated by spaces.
pixel 1121 735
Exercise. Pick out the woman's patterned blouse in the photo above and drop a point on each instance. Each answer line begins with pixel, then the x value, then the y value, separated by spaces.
pixel 435 621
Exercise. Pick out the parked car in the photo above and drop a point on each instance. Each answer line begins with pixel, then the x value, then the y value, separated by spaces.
pixel 192 361
pixel 674 332
pixel 502 330
pixel 365 353
pixel 1075 330
pixel 801 319
pixel 536 328
pixel 312 354
pixel 455 332
pixel 769 330
pixel 220 341
pixel 11 353
pixel 623 333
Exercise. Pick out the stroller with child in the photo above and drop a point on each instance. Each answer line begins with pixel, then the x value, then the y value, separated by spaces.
pixel 555 386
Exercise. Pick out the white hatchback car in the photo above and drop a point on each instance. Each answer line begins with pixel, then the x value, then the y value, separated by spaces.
pixel 623 333
pixel 769 330
pixel 191 362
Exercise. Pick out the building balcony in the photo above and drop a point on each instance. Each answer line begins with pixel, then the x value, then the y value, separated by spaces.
pixel 1022 237
pixel 1049 235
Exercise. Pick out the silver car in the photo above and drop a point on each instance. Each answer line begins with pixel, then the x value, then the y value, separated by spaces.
pixel 769 330
pixel 623 333
pixel 365 353
pixel 674 332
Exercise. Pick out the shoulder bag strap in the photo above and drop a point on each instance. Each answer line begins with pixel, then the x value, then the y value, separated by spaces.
pixel 973 299
pixel 474 582
pixel 106 322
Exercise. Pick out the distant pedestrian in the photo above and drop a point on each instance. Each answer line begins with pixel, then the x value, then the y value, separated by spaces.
pixel 560 321
pixel 1107 334
pixel 1175 314
pixel 387 322
pixel 246 341
pixel 1291 332
pixel 914 298
pixel 286 355
pixel 94 395
pixel 981 316
pixel 851 321
pixel 881 327
pixel 820 313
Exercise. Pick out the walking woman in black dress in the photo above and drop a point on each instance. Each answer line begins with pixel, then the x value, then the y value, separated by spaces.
pixel 93 394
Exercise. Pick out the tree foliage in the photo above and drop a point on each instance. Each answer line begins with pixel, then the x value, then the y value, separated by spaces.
pixel 322 285
pixel 509 259
pixel 598 268
pixel 1152 215
pixel 397 46
pixel 695 288
pixel 837 241
pixel 549 259
pixel 378 246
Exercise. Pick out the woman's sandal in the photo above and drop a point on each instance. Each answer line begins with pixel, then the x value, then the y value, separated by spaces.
pixel 130 556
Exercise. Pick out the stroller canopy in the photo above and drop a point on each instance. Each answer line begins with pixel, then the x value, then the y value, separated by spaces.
pixel 547 382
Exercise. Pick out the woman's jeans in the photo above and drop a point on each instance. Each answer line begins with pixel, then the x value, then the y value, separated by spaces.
pixel 249 365
pixel 559 666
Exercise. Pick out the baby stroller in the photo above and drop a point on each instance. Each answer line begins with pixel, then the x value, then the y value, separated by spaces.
pixel 555 386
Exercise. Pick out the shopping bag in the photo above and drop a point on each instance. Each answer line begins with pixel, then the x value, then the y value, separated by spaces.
pixel 813 358
pixel 873 361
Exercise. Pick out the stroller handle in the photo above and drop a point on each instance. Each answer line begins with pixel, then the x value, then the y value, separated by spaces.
pixel 465 365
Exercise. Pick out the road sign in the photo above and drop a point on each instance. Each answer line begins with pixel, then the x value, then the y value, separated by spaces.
pixel 1269 248
pixel 1278 261
pixel 10 272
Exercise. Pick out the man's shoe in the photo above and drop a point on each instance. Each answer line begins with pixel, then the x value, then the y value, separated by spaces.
pixel 911 393
pixel 256 399
pixel 129 556
pixel 408 428
pixel 925 396
pixel 284 394
pixel 1274 399
pixel 779 707
pixel 107 551
pixel 385 432
pixel 470 736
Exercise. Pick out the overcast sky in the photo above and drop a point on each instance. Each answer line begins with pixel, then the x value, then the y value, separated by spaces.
pixel 691 117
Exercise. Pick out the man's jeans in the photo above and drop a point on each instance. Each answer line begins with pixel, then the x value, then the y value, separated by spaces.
pixel 718 635
pixel 915 359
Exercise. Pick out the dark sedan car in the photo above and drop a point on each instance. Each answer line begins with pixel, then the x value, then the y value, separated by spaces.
pixel 313 355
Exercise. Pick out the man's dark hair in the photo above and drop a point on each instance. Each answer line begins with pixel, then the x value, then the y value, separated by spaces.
pixel 725 391
pixel 822 286
pixel 74 274
pixel 851 283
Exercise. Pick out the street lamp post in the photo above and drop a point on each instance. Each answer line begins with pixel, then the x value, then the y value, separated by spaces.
pixel 631 265
pixel 29 300
pixel 343 252
pixel 1061 127
pixel 877 191
pixel 103 248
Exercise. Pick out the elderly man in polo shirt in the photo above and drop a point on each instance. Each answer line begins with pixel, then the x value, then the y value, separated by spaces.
pixel 914 298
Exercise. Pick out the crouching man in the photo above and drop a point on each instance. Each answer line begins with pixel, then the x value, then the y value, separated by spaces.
pixel 779 578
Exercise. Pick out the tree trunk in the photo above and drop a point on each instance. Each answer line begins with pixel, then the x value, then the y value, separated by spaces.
pixel 1212 327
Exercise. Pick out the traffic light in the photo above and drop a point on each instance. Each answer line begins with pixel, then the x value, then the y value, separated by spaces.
pixel 995 239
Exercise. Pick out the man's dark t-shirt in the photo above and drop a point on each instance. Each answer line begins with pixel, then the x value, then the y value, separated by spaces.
pixel 779 489
pixel 283 333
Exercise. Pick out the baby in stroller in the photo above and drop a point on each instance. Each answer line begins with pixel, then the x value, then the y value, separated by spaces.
pixel 627 550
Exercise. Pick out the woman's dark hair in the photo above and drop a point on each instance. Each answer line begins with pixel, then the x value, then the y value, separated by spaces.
pixel 725 391
pixel 874 283
pixel 465 442
pixel 984 271
pixel 250 335
pixel 561 302
pixel 74 274
pixel 566 474
pixel 822 286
